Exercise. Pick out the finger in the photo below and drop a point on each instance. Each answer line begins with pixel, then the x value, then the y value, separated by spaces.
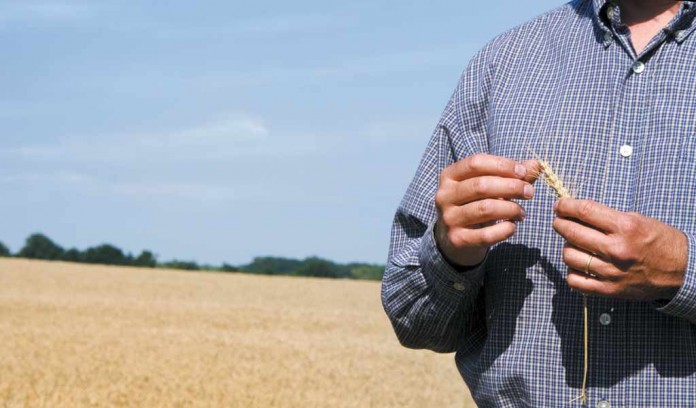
pixel 478 188
pixel 589 212
pixel 533 170
pixel 583 237
pixel 485 165
pixel 482 237
pixel 589 285
pixel 578 260
pixel 483 211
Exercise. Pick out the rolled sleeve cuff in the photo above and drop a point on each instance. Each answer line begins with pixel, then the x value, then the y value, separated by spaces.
pixel 684 302
pixel 443 275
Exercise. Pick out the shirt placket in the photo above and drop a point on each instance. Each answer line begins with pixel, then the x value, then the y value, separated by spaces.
pixel 608 318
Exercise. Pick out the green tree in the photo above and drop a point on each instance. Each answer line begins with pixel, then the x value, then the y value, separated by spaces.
pixel 146 259
pixel 39 246
pixel 4 251
pixel 73 255
pixel 317 267
pixel 269 265
pixel 107 254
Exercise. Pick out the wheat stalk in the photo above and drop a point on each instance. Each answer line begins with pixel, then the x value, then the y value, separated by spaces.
pixel 553 180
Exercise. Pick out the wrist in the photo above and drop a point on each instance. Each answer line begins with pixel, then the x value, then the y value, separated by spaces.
pixel 459 258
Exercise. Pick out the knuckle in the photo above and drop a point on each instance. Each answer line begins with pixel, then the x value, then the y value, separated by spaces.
pixel 481 186
pixel 572 234
pixel 477 161
pixel 586 209
pixel 516 187
pixel 445 175
pixel 630 223
pixel 455 239
pixel 620 251
pixel 487 237
pixel 447 218
pixel 485 209
pixel 609 290
pixel 440 198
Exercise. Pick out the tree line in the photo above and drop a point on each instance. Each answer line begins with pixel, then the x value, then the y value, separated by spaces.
pixel 39 246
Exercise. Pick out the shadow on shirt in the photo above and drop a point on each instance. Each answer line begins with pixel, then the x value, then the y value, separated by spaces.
pixel 519 284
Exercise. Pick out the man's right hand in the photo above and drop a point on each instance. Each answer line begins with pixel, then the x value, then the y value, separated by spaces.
pixel 474 207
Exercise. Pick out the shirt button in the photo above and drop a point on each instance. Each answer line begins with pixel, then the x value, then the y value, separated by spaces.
pixel 605 319
pixel 638 67
pixel 610 12
pixel 608 36
pixel 626 150
pixel 459 286
pixel 603 404
pixel 680 35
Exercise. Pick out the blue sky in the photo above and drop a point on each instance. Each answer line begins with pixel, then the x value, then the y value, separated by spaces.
pixel 219 131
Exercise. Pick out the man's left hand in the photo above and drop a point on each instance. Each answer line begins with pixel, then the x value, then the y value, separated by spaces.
pixel 633 257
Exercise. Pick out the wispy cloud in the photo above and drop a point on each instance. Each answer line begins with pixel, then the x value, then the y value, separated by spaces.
pixel 229 137
pixel 90 184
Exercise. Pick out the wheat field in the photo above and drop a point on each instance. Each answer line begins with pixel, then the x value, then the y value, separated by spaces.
pixel 97 336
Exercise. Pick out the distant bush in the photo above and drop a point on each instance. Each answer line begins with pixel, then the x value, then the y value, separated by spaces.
pixel 367 272
pixel 229 268
pixel 185 265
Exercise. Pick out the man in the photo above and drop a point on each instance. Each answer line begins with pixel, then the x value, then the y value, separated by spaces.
pixel 483 265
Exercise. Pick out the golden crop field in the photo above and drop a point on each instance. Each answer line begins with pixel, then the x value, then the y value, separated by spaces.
pixel 96 336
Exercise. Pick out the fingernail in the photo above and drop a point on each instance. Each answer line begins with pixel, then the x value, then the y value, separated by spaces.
pixel 524 215
pixel 520 170
pixel 555 206
pixel 528 191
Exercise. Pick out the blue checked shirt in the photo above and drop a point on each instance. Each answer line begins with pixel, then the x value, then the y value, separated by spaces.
pixel 621 128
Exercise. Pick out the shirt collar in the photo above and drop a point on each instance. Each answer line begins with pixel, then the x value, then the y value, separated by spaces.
pixel 598 4
pixel 688 7
pixel 684 21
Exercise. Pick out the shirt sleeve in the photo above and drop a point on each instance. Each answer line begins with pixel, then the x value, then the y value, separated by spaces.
pixel 684 302
pixel 431 304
